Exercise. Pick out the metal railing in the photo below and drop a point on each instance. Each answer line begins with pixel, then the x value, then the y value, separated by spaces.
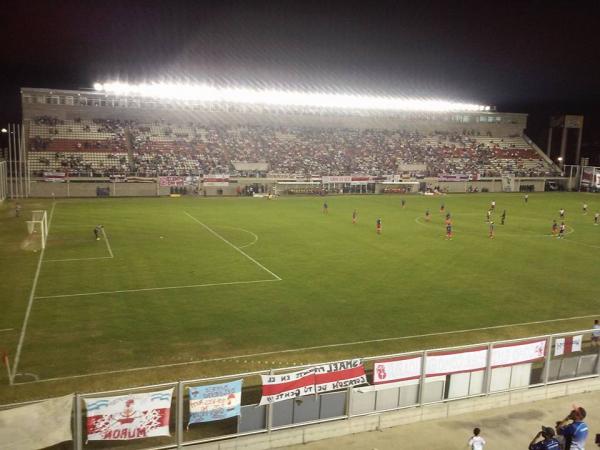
pixel 356 401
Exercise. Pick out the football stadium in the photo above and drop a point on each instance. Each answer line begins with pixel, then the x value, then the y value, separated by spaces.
pixel 202 265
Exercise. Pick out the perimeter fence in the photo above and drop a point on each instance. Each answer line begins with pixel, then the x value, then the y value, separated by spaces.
pixel 394 381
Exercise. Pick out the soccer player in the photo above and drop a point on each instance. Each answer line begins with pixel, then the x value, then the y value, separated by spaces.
pixel 554 228
pixel 585 208
pixel 325 208
pixel 18 210
pixel 561 230
pixel 403 203
pixel 442 208
pixel 526 198
pixel 449 231
pixel 596 218
pixel 488 215
pixel 491 234
pixel 354 216
pixel 503 217
pixel 596 333
pixel 427 216
pixel 561 211
pixel 493 205
pixel 448 219
pixel 97 231
pixel 378 226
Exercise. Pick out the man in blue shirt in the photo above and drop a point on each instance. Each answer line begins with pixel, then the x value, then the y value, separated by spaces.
pixel 576 432
pixel 548 442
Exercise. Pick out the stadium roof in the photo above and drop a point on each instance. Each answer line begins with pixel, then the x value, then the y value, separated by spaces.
pixel 242 95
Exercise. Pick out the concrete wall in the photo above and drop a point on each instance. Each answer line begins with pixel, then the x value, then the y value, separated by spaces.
pixel 88 189
pixel 78 189
pixel 310 433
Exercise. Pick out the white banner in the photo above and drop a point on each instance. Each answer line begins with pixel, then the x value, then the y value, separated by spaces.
pixel 127 417
pixel 456 362
pixel 523 352
pixel 216 180
pixel 559 346
pixel 577 341
pixel 444 363
pixel 336 179
pixel 395 370
pixel 40 425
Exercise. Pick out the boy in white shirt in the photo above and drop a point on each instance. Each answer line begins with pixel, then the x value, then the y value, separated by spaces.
pixel 476 442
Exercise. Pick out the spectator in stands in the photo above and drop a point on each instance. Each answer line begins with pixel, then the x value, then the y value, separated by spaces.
pixel 476 442
pixel 547 442
pixel 574 429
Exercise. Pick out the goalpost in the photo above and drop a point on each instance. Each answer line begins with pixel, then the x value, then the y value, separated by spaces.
pixel 38 226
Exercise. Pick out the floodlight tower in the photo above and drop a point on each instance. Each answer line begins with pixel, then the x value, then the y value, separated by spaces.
pixel 565 122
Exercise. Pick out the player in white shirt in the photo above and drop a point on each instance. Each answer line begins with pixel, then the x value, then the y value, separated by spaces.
pixel 585 208
pixel 476 442
pixel 596 218
pixel 596 333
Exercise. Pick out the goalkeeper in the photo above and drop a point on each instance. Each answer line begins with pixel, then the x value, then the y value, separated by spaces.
pixel 97 231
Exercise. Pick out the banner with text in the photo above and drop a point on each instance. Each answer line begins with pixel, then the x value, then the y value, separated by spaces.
pixel 315 380
pixel 444 363
pixel 127 417
pixel 339 375
pixel 216 180
pixel 277 388
pixel 215 402
pixel 171 181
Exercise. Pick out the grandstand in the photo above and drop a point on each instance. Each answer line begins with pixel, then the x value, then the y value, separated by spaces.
pixel 92 134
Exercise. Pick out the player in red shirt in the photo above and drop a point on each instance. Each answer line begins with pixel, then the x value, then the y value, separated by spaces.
pixel 378 226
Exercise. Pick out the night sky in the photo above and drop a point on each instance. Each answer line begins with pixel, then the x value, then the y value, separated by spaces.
pixel 540 57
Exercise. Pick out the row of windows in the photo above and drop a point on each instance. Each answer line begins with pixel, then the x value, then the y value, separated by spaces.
pixel 137 103
pixel 480 119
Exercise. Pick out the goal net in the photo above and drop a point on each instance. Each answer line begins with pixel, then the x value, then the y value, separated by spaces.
pixel 37 227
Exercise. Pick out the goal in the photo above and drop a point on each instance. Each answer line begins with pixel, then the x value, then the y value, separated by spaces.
pixel 38 226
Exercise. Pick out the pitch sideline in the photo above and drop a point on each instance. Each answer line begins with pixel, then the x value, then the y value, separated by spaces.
pixel 30 303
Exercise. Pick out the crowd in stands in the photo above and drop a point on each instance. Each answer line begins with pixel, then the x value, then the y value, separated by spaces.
pixel 161 148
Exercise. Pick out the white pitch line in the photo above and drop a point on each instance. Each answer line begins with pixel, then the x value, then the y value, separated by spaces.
pixel 317 347
pixel 6 329
pixel 123 291
pixel 107 243
pixel 78 259
pixel 246 231
pixel 30 303
pixel 233 246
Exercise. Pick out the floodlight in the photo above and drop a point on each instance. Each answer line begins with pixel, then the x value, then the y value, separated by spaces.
pixel 272 97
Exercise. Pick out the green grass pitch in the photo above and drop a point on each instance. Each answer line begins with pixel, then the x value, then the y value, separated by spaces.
pixel 219 279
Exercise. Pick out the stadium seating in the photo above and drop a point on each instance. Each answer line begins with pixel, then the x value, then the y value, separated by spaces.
pixel 106 147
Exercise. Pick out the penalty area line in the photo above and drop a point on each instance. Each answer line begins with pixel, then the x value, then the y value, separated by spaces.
pixel 126 291
pixel 303 349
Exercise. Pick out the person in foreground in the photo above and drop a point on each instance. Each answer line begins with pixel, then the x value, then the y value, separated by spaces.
pixel 574 429
pixel 476 442
pixel 547 442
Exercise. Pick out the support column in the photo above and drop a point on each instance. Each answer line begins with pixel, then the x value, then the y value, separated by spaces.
pixel 578 150
pixel 549 144
pixel 563 146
